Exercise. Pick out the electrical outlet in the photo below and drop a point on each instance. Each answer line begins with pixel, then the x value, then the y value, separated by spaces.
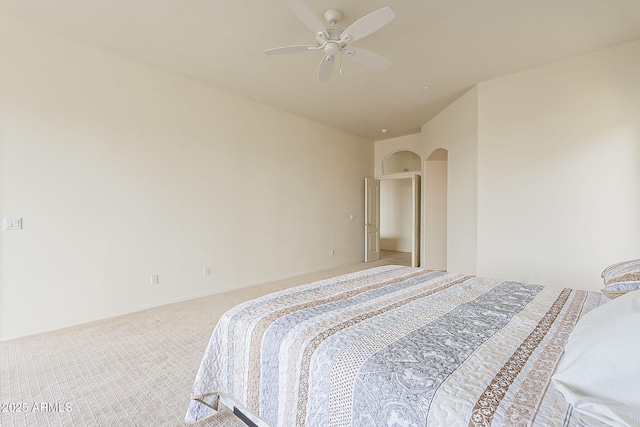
pixel 154 279
pixel 13 223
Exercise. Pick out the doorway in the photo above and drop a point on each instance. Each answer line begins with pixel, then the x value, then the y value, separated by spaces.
pixel 400 218
pixel 397 217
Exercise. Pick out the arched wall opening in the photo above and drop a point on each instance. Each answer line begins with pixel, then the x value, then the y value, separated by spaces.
pixel 435 209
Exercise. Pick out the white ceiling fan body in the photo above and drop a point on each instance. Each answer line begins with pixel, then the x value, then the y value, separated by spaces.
pixel 333 40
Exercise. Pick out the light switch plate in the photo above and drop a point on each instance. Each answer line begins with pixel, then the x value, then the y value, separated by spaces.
pixel 13 223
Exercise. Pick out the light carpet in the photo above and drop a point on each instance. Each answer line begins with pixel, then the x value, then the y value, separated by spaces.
pixel 131 370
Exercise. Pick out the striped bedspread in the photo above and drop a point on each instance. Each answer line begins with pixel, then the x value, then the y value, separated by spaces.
pixel 394 346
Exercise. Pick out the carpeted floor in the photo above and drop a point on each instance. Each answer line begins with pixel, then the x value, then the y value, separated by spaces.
pixel 131 370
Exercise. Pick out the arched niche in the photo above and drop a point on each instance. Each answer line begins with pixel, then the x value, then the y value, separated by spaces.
pixel 401 161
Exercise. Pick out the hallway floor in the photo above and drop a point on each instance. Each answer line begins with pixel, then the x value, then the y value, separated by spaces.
pixel 393 257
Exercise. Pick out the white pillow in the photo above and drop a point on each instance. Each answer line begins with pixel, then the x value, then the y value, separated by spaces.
pixel 599 374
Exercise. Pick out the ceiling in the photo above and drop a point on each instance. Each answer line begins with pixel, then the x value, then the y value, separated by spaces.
pixel 445 45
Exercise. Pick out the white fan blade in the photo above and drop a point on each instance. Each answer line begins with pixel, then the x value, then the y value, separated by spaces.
pixel 367 24
pixel 289 49
pixel 367 57
pixel 326 68
pixel 307 16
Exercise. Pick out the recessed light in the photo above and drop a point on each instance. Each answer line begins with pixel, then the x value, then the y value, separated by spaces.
pixel 385 130
pixel 426 88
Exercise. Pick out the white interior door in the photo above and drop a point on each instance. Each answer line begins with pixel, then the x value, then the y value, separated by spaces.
pixel 371 219
pixel 415 188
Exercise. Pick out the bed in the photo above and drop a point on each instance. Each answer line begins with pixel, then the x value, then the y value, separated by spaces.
pixel 395 346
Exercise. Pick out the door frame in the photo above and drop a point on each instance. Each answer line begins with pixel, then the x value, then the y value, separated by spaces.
pixel 416 206
pixel 416 218
pixel 371 219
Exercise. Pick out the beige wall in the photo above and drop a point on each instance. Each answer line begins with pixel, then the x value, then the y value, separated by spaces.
pixel 559 169
pixel 435 215
pixel 544 170
pixel 455 130
pixel 121 171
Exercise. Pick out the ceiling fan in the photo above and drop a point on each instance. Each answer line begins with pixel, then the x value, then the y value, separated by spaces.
pixel 334 40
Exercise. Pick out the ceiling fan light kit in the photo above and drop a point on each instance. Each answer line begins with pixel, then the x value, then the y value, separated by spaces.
pixel 334 40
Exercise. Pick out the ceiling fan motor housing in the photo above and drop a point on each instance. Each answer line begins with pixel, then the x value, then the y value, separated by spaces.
pixel 333 16
pixel 332 35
